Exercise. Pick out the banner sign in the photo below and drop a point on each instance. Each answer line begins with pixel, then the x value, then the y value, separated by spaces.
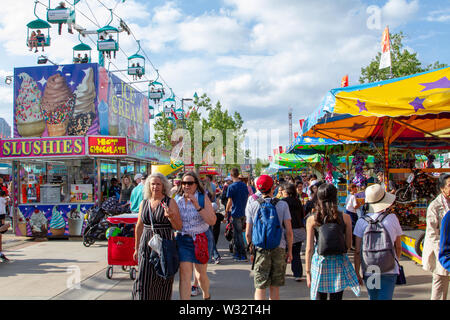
pixel 107 146
pixel 147 151
pixel 43 147
pixel 203 169
pixel 123 111
pixel 55 101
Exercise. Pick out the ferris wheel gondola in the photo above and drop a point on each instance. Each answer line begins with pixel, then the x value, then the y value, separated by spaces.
pixel 81 52
pixel 136 64
pixel 156 90
pixel 61 14
pixel 108 39
pixel 35 36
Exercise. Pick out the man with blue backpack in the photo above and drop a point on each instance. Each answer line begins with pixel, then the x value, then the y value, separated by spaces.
pixel 269 230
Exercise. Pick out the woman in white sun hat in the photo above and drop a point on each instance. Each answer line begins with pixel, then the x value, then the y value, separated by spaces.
pixel 379 277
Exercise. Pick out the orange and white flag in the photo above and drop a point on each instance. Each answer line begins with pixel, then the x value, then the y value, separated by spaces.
pixel 344 81
pixel 385 60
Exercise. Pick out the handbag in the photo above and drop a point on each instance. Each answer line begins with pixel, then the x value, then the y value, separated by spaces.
pixel 164 255
pixel 229 231
pixel 166 263
pixel 201 248
pixel 401 278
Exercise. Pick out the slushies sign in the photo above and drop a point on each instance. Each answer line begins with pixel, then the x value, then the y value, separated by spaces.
pixel 43 147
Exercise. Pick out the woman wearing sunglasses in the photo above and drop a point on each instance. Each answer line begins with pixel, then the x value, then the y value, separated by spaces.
pixel 197 215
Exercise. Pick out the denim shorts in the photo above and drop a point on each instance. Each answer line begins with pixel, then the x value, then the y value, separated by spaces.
pixel 186 248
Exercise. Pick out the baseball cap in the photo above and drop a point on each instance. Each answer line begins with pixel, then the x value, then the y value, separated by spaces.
pixel 264 183
pixel 228 179
pixel 137 176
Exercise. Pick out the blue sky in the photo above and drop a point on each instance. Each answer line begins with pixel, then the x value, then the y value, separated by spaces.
pixel 258 57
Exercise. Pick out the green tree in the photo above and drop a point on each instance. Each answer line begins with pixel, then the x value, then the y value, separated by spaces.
pixel 163 132
pixel 403 63
pixel 211 117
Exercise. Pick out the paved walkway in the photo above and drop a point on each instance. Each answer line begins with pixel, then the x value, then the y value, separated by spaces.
pixel 43 270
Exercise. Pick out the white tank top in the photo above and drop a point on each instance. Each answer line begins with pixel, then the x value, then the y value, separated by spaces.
pixel 193 222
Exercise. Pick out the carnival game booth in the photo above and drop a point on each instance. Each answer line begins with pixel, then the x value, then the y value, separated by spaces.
pixel 327 161
pixel 72 124
pixel 411 112
pixel 274 168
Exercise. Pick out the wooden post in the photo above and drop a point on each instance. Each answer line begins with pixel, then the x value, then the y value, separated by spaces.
pixel 99 197
pixel 387 133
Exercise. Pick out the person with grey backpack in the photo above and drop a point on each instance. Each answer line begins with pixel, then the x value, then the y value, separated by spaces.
pixel 378 244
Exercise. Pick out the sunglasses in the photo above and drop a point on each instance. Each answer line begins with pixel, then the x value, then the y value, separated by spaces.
pixel 189 183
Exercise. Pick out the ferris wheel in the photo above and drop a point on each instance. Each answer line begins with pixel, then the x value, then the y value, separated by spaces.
pixel 107 44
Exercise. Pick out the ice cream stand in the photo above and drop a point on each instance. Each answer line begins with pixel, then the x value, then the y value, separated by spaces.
pixel 70 121
pixel 410 112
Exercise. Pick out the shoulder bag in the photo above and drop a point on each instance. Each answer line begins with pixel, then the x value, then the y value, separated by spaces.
pixel 164 255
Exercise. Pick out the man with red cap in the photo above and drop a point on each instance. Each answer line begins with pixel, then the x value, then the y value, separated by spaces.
pixel 269 264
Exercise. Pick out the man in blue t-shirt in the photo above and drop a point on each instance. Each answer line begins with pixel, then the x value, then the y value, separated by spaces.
pixel 237 194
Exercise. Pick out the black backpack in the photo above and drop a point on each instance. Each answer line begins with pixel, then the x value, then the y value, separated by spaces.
pixel 331 239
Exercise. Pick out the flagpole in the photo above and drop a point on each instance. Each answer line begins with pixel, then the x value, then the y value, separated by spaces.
pixel 390 65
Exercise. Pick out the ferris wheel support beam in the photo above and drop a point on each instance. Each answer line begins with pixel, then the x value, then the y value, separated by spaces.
pixel 141 81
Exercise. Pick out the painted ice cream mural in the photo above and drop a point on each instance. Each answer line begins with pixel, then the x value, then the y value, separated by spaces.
pixel 62 97
pixel 51 220
pixel 84 110
pixel 57 223
pixel 77 100
pixel 28 114
pixel 57 105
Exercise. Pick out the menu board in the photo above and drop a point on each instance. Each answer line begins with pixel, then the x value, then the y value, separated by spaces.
pixel 81 193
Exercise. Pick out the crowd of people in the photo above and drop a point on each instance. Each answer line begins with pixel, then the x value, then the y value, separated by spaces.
pixel 271 220
pixel 276 216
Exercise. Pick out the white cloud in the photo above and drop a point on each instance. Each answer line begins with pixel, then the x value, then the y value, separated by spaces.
pixel 439 15
pixel 213 34
pixel 397 12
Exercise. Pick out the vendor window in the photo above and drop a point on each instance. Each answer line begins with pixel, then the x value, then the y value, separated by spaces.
pixel 56 181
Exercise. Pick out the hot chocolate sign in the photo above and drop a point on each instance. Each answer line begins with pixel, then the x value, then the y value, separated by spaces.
pixel 55 101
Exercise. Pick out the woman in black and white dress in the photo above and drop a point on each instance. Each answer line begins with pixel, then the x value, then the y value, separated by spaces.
pixel 148 285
